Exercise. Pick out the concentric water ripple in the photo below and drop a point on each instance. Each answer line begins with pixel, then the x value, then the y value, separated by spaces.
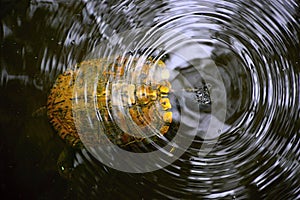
pixel 239 142
pixel 250 43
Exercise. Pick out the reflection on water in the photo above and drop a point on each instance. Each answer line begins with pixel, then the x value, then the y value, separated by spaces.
pixel 253 44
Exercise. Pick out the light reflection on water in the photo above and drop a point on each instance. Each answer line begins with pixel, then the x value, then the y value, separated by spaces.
pixel 256 48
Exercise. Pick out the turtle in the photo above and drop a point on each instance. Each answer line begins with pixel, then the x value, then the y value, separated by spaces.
pixel 141 97
pixel 131 98
pixel 144 97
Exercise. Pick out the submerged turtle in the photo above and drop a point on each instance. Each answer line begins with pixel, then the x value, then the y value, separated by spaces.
pixel 126 105
pixel 130 101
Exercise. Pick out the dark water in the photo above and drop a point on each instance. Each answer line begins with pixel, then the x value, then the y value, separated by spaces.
pixel 255 45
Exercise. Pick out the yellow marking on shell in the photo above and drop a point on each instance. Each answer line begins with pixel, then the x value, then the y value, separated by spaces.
pixel 136 117
pixel 152 94
pixel 143 94
pixel 164 129
pixel 165 103
pixel 164 89
pixel 167 117
pixel 102 95
pixel 147 114
pixel 161 64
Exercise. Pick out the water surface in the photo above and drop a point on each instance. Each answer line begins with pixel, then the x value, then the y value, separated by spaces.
pixel 255 47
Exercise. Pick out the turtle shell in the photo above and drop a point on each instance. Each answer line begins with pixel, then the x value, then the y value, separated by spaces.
pixel 142 98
